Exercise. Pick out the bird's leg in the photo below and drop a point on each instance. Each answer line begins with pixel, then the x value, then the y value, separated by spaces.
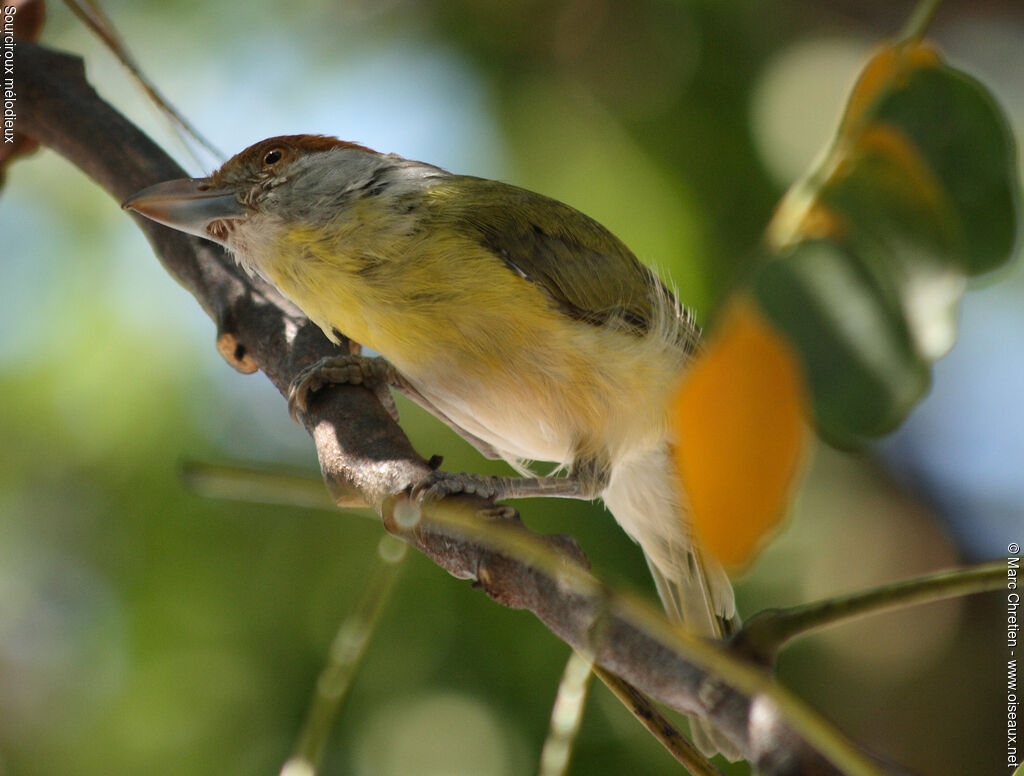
pixel 587 478
pixel 377 374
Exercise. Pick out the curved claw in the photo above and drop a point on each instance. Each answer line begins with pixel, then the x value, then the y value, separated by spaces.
pixel 439 484
pixel 373 373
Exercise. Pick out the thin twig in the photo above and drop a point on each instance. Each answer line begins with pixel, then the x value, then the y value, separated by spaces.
pixel 261 485
pixel 96 20
pixel 566 715
pixel 765 633
pixel 920 20
pixel 347 652
pixel 658 725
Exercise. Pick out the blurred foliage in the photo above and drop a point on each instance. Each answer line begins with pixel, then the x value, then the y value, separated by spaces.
pixel 740 415
pixel 866 265
pixel 918 191
pixel 145 628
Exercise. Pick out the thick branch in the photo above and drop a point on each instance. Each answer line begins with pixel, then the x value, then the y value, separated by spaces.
pixel 363 454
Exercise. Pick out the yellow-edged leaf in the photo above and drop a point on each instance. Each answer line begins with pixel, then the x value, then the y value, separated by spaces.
pixel 917 192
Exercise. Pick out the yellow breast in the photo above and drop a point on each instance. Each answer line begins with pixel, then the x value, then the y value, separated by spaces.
pixel 482 343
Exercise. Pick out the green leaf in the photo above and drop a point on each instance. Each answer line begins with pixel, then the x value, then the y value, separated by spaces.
pixel 965 140
pixel 859 368
pixel 869 253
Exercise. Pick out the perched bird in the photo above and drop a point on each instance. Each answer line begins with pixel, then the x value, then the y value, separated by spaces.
pixel 522 323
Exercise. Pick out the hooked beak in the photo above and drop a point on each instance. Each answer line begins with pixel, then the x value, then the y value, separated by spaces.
pixel 187 204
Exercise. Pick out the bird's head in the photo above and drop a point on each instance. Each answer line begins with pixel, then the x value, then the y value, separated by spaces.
pixel 293 178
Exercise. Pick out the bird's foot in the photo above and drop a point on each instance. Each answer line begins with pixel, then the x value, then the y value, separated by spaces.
pixel 373 373
pixel 439 484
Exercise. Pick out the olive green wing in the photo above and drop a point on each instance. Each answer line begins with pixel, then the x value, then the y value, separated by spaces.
pixel 582 267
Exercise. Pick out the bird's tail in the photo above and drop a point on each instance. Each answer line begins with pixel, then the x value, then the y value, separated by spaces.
pixel 644 498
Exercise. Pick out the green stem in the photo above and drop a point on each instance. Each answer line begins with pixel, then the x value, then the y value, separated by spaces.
pixel 566 715
pixel 917 25
pixel 765 633
pixel 347 651
pixel 260 485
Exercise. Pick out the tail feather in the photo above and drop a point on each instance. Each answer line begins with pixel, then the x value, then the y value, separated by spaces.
pixel 702 601
pixel 693 588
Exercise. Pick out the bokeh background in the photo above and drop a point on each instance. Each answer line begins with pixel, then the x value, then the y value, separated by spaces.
pixel 145 628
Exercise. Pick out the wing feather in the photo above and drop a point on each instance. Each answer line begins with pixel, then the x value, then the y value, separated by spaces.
pixel 581 266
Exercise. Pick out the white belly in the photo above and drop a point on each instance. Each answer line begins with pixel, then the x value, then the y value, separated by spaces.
pixel 507 422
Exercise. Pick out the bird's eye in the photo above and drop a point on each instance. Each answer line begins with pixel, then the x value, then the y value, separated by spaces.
pixel 273 157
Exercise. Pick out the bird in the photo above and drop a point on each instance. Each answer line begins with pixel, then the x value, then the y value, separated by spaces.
pixel 522 323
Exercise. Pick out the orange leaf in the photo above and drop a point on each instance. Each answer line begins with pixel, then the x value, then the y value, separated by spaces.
pixel 888 68
pixel 738 418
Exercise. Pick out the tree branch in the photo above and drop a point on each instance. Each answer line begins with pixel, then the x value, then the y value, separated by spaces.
pixel 365 457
